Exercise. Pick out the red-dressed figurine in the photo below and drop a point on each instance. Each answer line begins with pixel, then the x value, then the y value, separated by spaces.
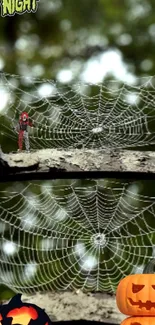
pixel 22 129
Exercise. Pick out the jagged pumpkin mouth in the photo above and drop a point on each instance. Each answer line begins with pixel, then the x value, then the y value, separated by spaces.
pixel 148 304
pixel 22 315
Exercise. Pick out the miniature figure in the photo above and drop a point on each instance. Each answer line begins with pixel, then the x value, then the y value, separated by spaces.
pixel 22 129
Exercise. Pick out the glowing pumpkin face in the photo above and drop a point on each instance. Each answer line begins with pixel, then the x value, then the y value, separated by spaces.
pixel 139 320
pixel 135 295
pixel 23 314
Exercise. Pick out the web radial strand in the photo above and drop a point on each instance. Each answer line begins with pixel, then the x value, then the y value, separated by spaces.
pixel 108 115
pixel 85 234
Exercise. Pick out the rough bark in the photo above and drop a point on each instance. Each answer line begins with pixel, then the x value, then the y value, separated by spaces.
pixel 77 305
pixel 54 163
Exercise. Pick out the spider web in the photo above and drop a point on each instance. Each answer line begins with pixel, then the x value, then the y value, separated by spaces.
pixel 108 115
pixel 80 235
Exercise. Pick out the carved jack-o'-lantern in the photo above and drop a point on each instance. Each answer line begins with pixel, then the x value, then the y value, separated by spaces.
pixel 139 320
pixel 135 294
pixel 18 312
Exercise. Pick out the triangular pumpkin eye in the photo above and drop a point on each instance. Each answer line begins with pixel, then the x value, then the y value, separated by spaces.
pixel 153 286
pixel 137 287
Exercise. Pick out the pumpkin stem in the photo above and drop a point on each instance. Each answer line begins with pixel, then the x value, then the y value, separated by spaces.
pixel 149 268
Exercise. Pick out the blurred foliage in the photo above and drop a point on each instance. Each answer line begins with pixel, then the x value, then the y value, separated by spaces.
pixel 64 35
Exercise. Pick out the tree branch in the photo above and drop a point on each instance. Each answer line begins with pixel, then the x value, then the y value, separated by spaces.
pixel 77 163
pixel 77 305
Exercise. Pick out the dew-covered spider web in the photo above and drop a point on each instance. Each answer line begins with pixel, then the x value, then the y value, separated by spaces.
pixel 108 115
pixel 83 234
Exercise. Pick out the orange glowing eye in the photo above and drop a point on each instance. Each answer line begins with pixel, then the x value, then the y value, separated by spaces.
pixel 137 287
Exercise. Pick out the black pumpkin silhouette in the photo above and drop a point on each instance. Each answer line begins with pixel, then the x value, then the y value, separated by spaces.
pixel 17 312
